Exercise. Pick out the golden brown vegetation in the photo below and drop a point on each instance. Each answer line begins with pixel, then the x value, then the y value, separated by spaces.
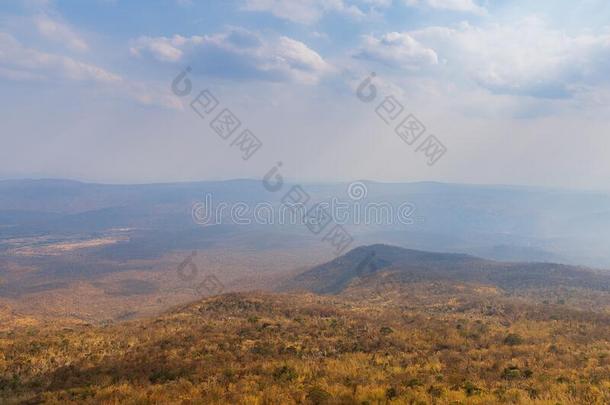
pixel 136 288
pixel 460 345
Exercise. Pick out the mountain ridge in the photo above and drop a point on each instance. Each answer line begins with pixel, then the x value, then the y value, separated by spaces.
pixel 409 265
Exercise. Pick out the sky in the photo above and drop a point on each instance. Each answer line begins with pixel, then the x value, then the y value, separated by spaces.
pixel 513 92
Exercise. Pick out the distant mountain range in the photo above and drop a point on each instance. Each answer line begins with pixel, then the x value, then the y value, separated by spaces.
pixel 496 222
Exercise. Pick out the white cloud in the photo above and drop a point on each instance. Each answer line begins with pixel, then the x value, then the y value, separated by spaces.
pixel 525 57
pixel 296 58
pixel 397 49
pixel 238 54
pixel 464 6
pixel 319 35
pixel 20 62
pixel 160 48
pixel 57 31
pixel 310 11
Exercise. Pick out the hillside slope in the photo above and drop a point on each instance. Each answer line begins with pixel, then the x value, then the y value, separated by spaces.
pixel 408 266
pixel 472 347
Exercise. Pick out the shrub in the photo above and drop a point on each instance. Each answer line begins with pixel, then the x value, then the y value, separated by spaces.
pixel 317 396
pixel 435 391
pixel 284 373
pixel 513 339
pixel 511 373
pixel 470 389
pixel 414 382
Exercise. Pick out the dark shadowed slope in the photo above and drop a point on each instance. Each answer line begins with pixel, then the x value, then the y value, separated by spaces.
pixel 414 266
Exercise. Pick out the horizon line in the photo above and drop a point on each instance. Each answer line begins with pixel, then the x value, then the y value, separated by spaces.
pixel 295 181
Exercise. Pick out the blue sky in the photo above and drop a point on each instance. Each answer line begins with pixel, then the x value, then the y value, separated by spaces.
pixel 517 91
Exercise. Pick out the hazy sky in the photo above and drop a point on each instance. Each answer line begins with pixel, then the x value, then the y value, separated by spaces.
pixel 517 91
